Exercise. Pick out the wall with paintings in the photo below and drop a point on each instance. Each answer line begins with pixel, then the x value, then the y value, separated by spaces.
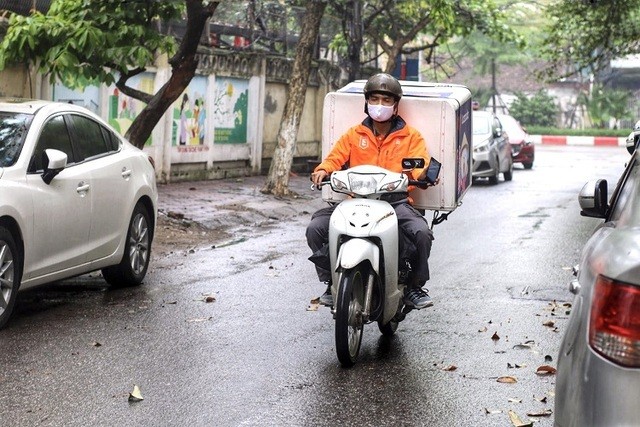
pixel 225 123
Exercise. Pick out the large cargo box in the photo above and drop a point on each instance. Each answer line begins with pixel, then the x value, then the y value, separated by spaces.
pixel 442 114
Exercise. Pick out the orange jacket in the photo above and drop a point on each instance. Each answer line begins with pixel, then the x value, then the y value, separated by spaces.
pixel 359 146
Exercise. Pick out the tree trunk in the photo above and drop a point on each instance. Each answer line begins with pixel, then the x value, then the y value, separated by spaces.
pixel 354 39
pixel 183 65
pixel 277 181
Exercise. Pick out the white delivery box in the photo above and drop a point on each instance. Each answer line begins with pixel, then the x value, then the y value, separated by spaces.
pixel 442 114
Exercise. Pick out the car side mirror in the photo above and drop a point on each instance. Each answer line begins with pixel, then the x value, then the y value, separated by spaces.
pixel 497 132
pixel 593 199
pixel 53 161
pixel 632 141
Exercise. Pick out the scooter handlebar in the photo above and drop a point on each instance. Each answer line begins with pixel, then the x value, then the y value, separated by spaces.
pixel 421 184
pixel 325 181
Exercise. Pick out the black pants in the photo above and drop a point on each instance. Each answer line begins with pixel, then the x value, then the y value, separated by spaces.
pixel 414 228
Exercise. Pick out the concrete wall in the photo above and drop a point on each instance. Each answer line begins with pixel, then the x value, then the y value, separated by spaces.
pixel 309 134
pixel 14 82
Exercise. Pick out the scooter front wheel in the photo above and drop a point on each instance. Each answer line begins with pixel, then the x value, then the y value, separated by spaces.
pixel 349 321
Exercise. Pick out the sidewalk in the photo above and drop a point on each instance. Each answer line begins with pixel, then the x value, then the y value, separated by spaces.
pixel 229 203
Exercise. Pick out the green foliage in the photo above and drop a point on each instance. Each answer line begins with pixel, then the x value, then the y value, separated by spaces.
pixel 88 41
pixel 605 104
pixel 585 35
pixel 516 29
pixel 538 110
pixel 541 130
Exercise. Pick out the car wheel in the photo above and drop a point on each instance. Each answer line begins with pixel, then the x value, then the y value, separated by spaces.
pixel 508 175
pixel 10 274
pixel 493 180
pixel 137 252
pixel 527 165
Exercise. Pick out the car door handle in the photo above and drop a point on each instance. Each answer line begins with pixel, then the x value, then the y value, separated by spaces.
pixel 82 187
pixel 126 173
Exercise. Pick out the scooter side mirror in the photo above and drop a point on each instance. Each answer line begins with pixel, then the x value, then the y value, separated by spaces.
pixel 409 163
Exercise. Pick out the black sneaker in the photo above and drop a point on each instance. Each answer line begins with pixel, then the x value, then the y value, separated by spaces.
pixel 326 298
pixel 418 299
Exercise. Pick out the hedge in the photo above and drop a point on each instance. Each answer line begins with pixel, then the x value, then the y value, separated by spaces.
pixel 538 130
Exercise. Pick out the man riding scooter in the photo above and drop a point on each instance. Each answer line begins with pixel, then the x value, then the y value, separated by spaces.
pixel 382 139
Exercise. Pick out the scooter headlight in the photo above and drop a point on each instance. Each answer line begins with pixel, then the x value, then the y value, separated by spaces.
pixel 338 185
pixel 364 184
pixel 391 186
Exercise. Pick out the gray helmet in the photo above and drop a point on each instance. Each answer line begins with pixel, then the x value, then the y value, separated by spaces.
pixel 383 83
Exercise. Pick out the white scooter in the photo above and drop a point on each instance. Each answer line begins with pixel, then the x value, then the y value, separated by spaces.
pixel 368 284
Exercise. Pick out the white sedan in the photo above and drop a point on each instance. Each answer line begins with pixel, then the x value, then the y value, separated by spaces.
pixel 74 197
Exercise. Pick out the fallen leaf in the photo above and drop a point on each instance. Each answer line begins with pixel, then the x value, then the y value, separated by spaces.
pixel 545 413
pixel 517 422
pixel 548 358
pixel 516 365
pixel 549 323
pixel 483 329
pixel 546 370
pixel 522 347
pixel 207 298
pixel 495 336
pixel 493 412
pixel 96 344
pixel 542 399
pixel 450 368
pixel 199 319
pixel 507 380
pixel 135 395
pixel 514 400
pixel 314 304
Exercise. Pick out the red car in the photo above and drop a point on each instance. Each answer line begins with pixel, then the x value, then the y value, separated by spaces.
pixel 521 145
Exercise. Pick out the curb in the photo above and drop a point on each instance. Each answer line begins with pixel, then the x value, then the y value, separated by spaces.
pixel 609 141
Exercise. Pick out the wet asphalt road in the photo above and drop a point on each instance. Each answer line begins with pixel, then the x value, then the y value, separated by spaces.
pixel 257 356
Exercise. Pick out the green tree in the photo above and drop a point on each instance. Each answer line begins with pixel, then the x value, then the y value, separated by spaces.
pixel 81 42
pixel 603 105
pixel 583 36
pixel 537 110
pixel 277 181
pixel 412 26
pixel 407 26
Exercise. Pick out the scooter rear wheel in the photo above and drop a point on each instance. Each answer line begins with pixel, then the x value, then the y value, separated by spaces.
pixel 349 322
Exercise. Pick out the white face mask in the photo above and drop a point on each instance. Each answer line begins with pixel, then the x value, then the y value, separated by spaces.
pixel 379 112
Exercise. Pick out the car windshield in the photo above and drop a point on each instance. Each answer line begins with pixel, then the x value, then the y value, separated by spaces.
pixel 481 125
pixel 13 129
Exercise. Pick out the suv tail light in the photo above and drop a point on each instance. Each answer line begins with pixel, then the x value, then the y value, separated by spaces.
pixel 614 326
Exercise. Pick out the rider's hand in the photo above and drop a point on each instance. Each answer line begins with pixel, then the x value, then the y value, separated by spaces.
pixel 318 176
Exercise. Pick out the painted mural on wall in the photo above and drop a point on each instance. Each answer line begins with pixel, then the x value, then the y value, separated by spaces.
pixel 189 130
pixel 88 98
pixel 230 111
pixel 122 108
